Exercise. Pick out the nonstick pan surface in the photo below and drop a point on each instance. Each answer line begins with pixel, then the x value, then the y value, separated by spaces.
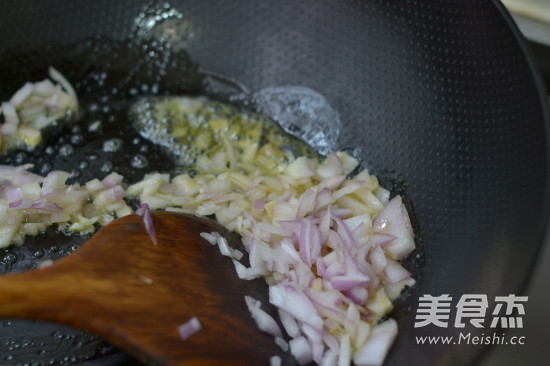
pixel 438 98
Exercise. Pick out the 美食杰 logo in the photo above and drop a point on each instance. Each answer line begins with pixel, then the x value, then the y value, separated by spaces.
pixel 471 310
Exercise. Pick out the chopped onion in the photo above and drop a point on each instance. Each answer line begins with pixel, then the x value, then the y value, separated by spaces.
pixel 46 206
pixel 58 77
pixel 394 220
pixel 212 237
pixel 144 211
pixel 35 106
pixel 378 344
pixel 331 167
pixel 10 114
pixel 289 323
pixel 265 322
pixel 45 263
pixel 395 272
pixel 296 304
pixel 14 194
pixel 275 361
pixel 115 193
pixel 331 270
pixel 280 341
pixel 259 205
pixel 224 247
pixel 301 350
pixel 54 180
pixel 189 328
pixel 44 88
pixel 8 129
pixel 112 180
pixel 22 94
pixel 147 280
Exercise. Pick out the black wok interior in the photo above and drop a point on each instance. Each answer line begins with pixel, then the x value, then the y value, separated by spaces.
pixel 440 97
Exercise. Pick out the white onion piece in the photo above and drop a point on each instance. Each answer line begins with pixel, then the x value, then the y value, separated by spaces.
pixel 115 193
pixel 296 304
pixel 376 348
pixel 307 202
pixel 265 322
pixel 8 129
pixel 54 180
pixel 289 323
pixel 14 194
pixel 22 94
pixel 46 206
pixel 330 358
pixel 212 237
pixel 331 167
pixel 21 177
pixel 279 341
pixel 275 361
pixel 112 180
pixel 381 239
pixel 10 114
pixel 378 259
pixel 45 263
pixel 344 358
pixel 44 88
pixel 349 162
pixel 301 350
pixel 332 183
pixel 300 168
pixel 395 272
pixel 245 273
pixel 224 247
pixel 189 328
pixel 59 78
pixel 393 219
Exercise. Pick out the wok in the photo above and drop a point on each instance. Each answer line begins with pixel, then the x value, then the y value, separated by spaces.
pixel 440 99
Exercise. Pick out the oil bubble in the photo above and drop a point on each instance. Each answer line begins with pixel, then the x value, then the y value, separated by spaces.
pixel 139 161
pixel 38 253
pixel 93 157
pixel 73 248
pixel 93 107
pixel 77 139
pixel 66 150
pixel 112 145
pixel 9 258
pixel 94 126
pixel 301 112
pixel 75 173
pixel 45 168
pixel 83 164
pixel 107 167
pixel 20 157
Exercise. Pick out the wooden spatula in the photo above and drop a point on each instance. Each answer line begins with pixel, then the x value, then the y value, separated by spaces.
pixel 135 294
